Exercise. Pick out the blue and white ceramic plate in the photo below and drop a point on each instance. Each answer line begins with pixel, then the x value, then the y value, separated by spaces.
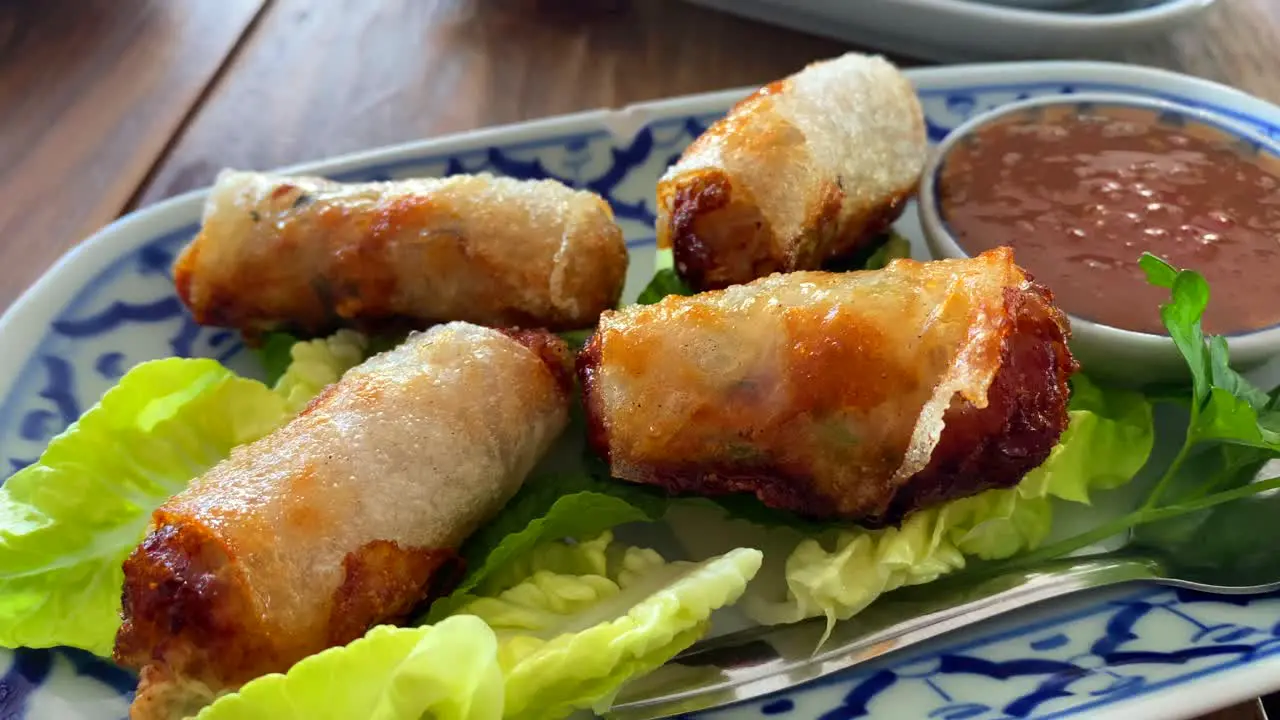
pixel 1138 651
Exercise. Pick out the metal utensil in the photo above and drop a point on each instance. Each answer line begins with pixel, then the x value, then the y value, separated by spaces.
pixel 759 661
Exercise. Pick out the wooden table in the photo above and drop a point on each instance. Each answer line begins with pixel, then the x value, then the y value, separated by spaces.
pixel 109 105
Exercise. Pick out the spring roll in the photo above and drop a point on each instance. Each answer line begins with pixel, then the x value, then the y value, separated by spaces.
pixel 347 517
pixel 846 396
pixel 308 256
pixel 808 169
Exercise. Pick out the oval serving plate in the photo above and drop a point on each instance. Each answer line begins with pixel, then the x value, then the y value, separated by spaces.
pixel 1139 651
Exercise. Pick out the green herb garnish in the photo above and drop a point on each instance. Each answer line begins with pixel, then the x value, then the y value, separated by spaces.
pixel 665 282
pixel 1229 417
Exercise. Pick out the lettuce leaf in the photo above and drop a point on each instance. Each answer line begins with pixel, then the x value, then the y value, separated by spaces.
pixel 447 672
pixel 569 495
pixel 876 254
pixel 275 355
pixel 894 247
pixel 840 571
pixel 1232 425
pixel 556 642
pixel 573 516
pixel 569 642
pixel 663 283
pixel 315 364
pixel 663 258
pixel 68 521
pixel 576 339
pixel 1107 441
pixel 570 505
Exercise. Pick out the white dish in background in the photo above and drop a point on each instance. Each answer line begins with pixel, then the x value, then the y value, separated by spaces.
pixel 1104 351
pixel 969 30
pixel 1034 4
pixel 1128 652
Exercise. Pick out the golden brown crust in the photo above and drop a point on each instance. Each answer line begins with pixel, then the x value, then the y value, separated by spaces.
pixel 162 695
pixel 780 185
pixel 587 364
pixel 309 256
pixel 185 602
pixel 188 620
pixel 789 390
pixel 552 350
pixel 1026 413
pixel 346 517
pixel 715 237
pixel 382 582
pixel 718 239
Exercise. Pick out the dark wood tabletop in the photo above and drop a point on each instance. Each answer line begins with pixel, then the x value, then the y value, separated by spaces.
pixel 109 105
pixel 114 104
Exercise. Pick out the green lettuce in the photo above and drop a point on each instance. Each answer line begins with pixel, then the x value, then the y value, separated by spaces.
pixel 559 640
pixel 447 672
pixel 894 247
pixel 576 339
pixel 68 521
pixel 876 254
pixel 569 642
pixel 838 572
pixel 1232 425
pixel 663 283
pixel 274 353
pixel 1108 439
pixel 315 364
pixel 501 553
pixel 663 259
pixel 569 495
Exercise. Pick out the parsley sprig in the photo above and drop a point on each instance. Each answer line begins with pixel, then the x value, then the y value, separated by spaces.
pixel 1228 416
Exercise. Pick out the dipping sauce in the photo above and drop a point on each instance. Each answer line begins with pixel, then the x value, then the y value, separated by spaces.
pixel 1080 192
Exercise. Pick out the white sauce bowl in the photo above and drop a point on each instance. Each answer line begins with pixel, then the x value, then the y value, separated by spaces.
pixel 1106 352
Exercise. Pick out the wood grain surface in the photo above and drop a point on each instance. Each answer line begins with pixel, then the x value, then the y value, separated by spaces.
pixel 451 65
pixel 91 93
pixel 112 104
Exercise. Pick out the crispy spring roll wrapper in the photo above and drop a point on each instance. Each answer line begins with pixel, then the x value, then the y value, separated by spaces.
pixel 348 516
pixel 308 255
pixel 853 396
pixel 808 169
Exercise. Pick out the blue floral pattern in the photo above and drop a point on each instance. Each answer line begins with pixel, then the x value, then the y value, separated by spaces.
pixel 1121 645
pixel 1114 646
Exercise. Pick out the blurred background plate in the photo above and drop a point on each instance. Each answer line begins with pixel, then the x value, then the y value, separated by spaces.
pixel 1108 6
pixel 969 30
pixel 1050 4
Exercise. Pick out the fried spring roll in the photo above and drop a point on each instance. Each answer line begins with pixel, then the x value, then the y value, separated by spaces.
pixel 808 169
pixel 855 396
pixel 346 517
pixel 309 256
